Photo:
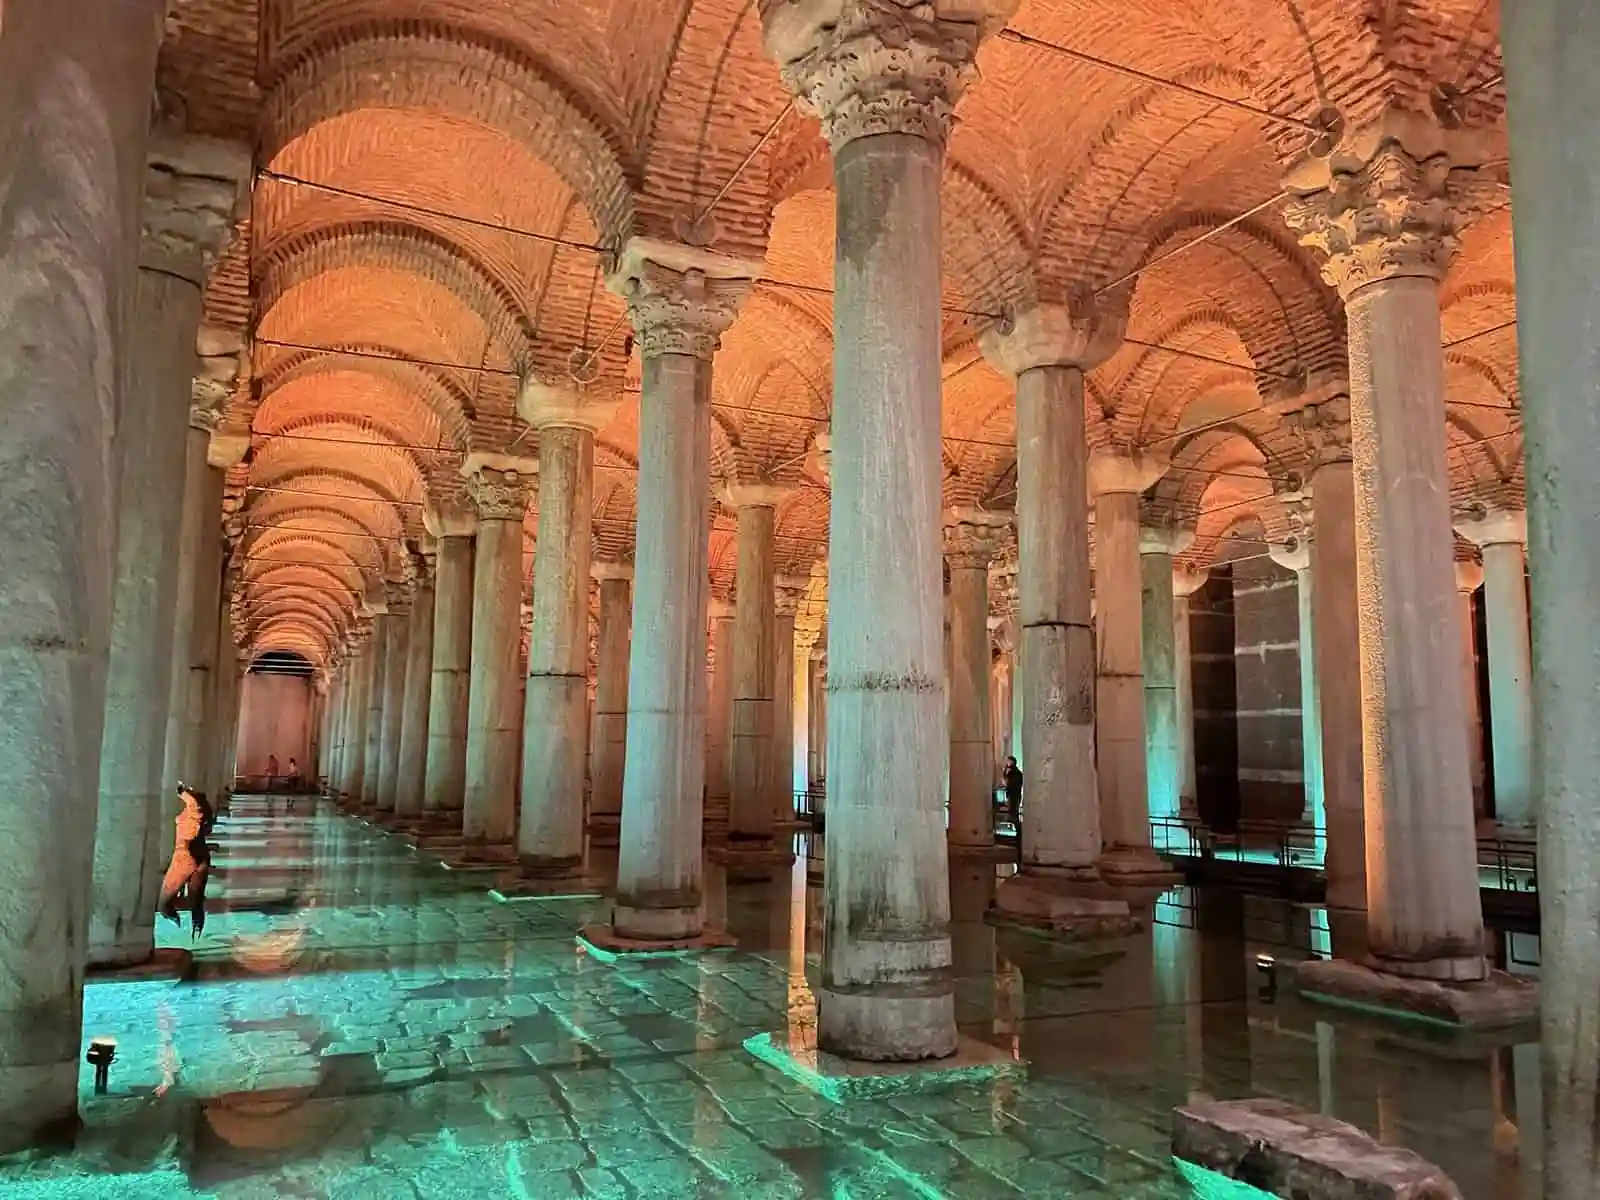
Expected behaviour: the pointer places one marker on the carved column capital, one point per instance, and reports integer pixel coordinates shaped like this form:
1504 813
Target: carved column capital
1485 526
204 419
681 299
1003 587
868 67
1164 539
1322 425
1082 332
974 537
191 189
787 593
545 406
1112 470
499 486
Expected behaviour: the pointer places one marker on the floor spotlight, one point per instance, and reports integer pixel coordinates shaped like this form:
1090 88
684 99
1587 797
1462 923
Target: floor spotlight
101 1054
1267 968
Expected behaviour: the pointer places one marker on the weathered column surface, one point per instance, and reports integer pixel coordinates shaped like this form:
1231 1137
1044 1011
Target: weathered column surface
680 301
555 716
788 591
1185 583
333 754
378 651
719 713
1555 174
1295 555
972 539
445 787
187 210
1158 650
1382 210
1116 481
1469 578
499 490
363 640
1502 534
609 732
752 767
397 655
884 80
410 777
1048 350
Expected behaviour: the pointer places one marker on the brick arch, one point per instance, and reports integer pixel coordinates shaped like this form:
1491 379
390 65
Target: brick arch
300 604
1146 401
302 548
322 583
1182 490
433 387
385 474
291 635
287 515
431 65
986 245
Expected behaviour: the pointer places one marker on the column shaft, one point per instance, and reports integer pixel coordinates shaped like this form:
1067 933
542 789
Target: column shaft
202 657
450 686
784 679
378 651
1310 702
356 729
719 714
972 773
411 770
397 656
1163 766
1469 576
752 768
1183 685
1505 599
194 521
494 726
1120 732
610 729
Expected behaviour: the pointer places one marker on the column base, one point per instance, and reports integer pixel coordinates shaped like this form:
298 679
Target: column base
606 944
886 1026
1076 903
751 858
531 880
162 964
1137 867
476 854
1498 1001
38 1106
983 852
605 829
795 1053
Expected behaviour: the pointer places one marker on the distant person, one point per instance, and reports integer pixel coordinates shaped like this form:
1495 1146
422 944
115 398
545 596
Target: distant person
294 781
272 771
1011 777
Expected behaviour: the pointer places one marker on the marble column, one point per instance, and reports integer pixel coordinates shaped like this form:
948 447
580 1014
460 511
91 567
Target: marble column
411 768
333 744
1384 215
817 736
397 656
445 783
1116 481
884 80
1048 349
1001 672
555 715
1469 578
1502 535
719 712
680 300
202 484
1555 175
788 591
610 729
752 766
361 655
499 490
1159 658
972 540
1185 583
1295 555
376 691
187 210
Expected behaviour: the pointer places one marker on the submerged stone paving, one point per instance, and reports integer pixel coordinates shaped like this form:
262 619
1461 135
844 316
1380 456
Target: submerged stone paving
363 1024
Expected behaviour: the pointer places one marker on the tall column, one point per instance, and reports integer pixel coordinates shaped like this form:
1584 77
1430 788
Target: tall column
378 652
411 768
1048 350
1116 480
884 80
202 484
555 716
719 713
1159 658
680 301
446 783
499 490
788 591
1502 535
334 744
1555 175
1383 213
1295 555
819 718
1185 583
361 655
227 678
753 768
610 729
397 656
972 539
1469 578
187 209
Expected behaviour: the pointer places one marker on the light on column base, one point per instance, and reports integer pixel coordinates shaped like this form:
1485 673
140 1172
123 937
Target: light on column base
101 1054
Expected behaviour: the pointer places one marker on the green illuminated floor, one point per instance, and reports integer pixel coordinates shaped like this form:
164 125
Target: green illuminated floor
364 1025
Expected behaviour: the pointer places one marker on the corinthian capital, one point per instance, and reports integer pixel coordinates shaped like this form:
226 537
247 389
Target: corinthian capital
498 485
879 66
192 188
974 537
681 298
1387 203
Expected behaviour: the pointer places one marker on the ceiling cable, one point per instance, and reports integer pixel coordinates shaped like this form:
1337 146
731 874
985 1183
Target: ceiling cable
1278 198
749 158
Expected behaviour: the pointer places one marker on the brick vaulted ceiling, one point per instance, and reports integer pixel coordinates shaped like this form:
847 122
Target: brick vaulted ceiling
440 184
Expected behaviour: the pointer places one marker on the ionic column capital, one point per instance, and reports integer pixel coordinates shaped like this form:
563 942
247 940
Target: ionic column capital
602 570
974 537
1484 526
867 67
1164 539
681 299
1121 471
191 190
499 485
1082 332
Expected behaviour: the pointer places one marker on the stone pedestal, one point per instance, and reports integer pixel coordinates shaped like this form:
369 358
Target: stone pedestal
499 490
445 786
680 301
411 769
972 539
609 732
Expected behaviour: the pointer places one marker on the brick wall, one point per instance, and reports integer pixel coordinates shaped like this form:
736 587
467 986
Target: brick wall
1266 620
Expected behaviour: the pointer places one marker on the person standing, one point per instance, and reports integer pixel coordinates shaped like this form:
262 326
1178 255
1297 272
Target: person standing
1011 777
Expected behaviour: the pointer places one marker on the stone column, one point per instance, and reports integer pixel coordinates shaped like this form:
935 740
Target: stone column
1049 349
788 591
1295 555
378 651
1185 583
1159 658
719 714
1382 211
555 718
411 770
361 655
1553 87
1502 535
752 766
1469 578
972 539
445 785
1116 481
499 490
610 729
397 656
187 211
819 718
680 300
202 484
884 80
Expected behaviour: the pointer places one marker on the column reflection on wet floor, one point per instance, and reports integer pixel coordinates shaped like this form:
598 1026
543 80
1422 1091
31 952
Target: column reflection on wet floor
362 1022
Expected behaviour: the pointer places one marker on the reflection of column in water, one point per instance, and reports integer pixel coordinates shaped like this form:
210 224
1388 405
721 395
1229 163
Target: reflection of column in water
1224 986
972 941
1177 970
